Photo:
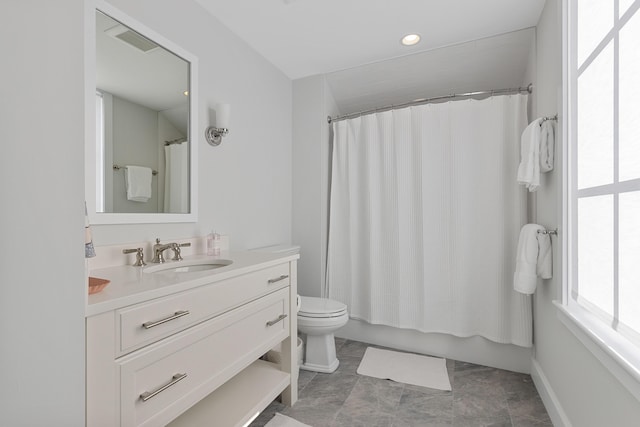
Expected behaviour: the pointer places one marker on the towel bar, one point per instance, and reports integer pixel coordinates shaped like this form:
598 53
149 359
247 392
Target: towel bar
554 232
544 119
118 167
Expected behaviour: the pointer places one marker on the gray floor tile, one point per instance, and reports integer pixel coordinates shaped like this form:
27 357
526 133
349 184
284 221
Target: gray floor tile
416 405
352 348
320 412
481 396
348 365
339 342
304 377
466 421
531 422
488 404
375 395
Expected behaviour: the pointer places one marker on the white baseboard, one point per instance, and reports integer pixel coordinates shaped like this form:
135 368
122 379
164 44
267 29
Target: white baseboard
548 396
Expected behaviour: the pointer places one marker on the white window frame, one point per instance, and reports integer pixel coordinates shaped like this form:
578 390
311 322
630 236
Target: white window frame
617 353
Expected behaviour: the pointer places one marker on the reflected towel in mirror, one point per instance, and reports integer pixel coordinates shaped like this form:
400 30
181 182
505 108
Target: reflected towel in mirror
138 183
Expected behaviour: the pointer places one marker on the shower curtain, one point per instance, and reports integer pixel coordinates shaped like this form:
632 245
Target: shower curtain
176 180
425 213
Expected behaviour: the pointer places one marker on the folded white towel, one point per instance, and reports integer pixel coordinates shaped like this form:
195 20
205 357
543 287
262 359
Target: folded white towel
138 182
525 278
544 265
547 142
529 168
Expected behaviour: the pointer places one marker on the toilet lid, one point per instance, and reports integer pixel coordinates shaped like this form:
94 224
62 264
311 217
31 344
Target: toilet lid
320 307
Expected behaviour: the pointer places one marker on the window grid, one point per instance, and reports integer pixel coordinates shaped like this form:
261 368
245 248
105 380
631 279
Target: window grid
615 188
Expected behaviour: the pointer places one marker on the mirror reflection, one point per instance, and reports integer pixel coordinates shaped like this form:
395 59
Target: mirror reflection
142 137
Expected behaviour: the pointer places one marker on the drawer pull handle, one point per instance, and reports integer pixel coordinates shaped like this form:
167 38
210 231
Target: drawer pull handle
149 394
284 276
176 315
276 320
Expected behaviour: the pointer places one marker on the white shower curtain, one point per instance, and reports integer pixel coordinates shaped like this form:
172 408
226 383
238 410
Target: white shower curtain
424 218
176 180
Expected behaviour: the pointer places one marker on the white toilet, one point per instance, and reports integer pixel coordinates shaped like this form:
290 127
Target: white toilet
318 319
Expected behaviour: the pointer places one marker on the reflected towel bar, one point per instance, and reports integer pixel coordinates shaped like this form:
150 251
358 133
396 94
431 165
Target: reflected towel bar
118 167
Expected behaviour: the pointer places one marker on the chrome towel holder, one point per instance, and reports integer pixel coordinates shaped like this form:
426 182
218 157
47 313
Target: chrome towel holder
549 232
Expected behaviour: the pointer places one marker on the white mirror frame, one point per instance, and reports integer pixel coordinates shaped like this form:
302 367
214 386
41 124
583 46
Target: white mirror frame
90 121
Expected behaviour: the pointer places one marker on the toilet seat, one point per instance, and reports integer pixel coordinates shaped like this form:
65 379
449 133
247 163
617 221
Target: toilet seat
313 307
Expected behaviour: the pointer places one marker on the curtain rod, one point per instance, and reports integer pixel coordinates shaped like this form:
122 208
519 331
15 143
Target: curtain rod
527 89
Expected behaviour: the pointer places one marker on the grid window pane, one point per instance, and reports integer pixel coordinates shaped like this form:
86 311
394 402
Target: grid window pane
629 95
624 6
595 251
629 259
595 122
595 20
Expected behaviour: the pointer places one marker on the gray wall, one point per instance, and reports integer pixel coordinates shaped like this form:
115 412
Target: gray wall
578 390
245 183
42 277
135 142
42 268
312 103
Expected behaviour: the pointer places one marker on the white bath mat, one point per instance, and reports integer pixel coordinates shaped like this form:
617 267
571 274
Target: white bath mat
405 368
281 421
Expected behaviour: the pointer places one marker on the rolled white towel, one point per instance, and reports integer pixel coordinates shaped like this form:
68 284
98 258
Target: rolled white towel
544 265
547 145
525 278
529 167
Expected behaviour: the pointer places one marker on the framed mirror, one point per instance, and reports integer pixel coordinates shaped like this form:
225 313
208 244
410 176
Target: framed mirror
141 159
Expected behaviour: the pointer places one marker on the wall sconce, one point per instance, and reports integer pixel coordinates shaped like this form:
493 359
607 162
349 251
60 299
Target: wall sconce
214 134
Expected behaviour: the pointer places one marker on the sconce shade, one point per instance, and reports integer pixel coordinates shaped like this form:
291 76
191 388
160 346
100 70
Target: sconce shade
223 115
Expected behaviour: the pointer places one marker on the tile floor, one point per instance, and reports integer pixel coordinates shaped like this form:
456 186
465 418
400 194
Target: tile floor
481 396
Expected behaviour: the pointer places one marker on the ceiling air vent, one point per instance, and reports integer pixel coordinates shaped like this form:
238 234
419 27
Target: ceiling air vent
131 38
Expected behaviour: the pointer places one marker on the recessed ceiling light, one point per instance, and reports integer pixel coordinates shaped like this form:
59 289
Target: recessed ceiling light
410 39
185 93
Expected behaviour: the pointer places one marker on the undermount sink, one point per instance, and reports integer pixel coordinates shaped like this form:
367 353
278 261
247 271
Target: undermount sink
188 266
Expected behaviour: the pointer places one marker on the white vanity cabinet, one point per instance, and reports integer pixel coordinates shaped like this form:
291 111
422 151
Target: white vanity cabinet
190 356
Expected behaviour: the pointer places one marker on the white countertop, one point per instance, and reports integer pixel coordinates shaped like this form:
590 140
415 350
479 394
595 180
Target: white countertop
131 285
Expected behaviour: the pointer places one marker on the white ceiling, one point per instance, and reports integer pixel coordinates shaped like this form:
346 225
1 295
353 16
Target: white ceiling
125 71
309 37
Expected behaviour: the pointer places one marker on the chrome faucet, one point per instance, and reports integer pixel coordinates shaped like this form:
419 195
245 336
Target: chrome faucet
158 251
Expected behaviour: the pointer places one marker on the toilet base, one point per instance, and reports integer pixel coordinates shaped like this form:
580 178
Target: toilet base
320 368
320 354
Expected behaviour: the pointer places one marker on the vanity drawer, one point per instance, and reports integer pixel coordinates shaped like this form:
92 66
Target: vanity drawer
175 374
146 323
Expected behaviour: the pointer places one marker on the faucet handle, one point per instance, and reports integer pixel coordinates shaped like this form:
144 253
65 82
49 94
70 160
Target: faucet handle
176 250
139 256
